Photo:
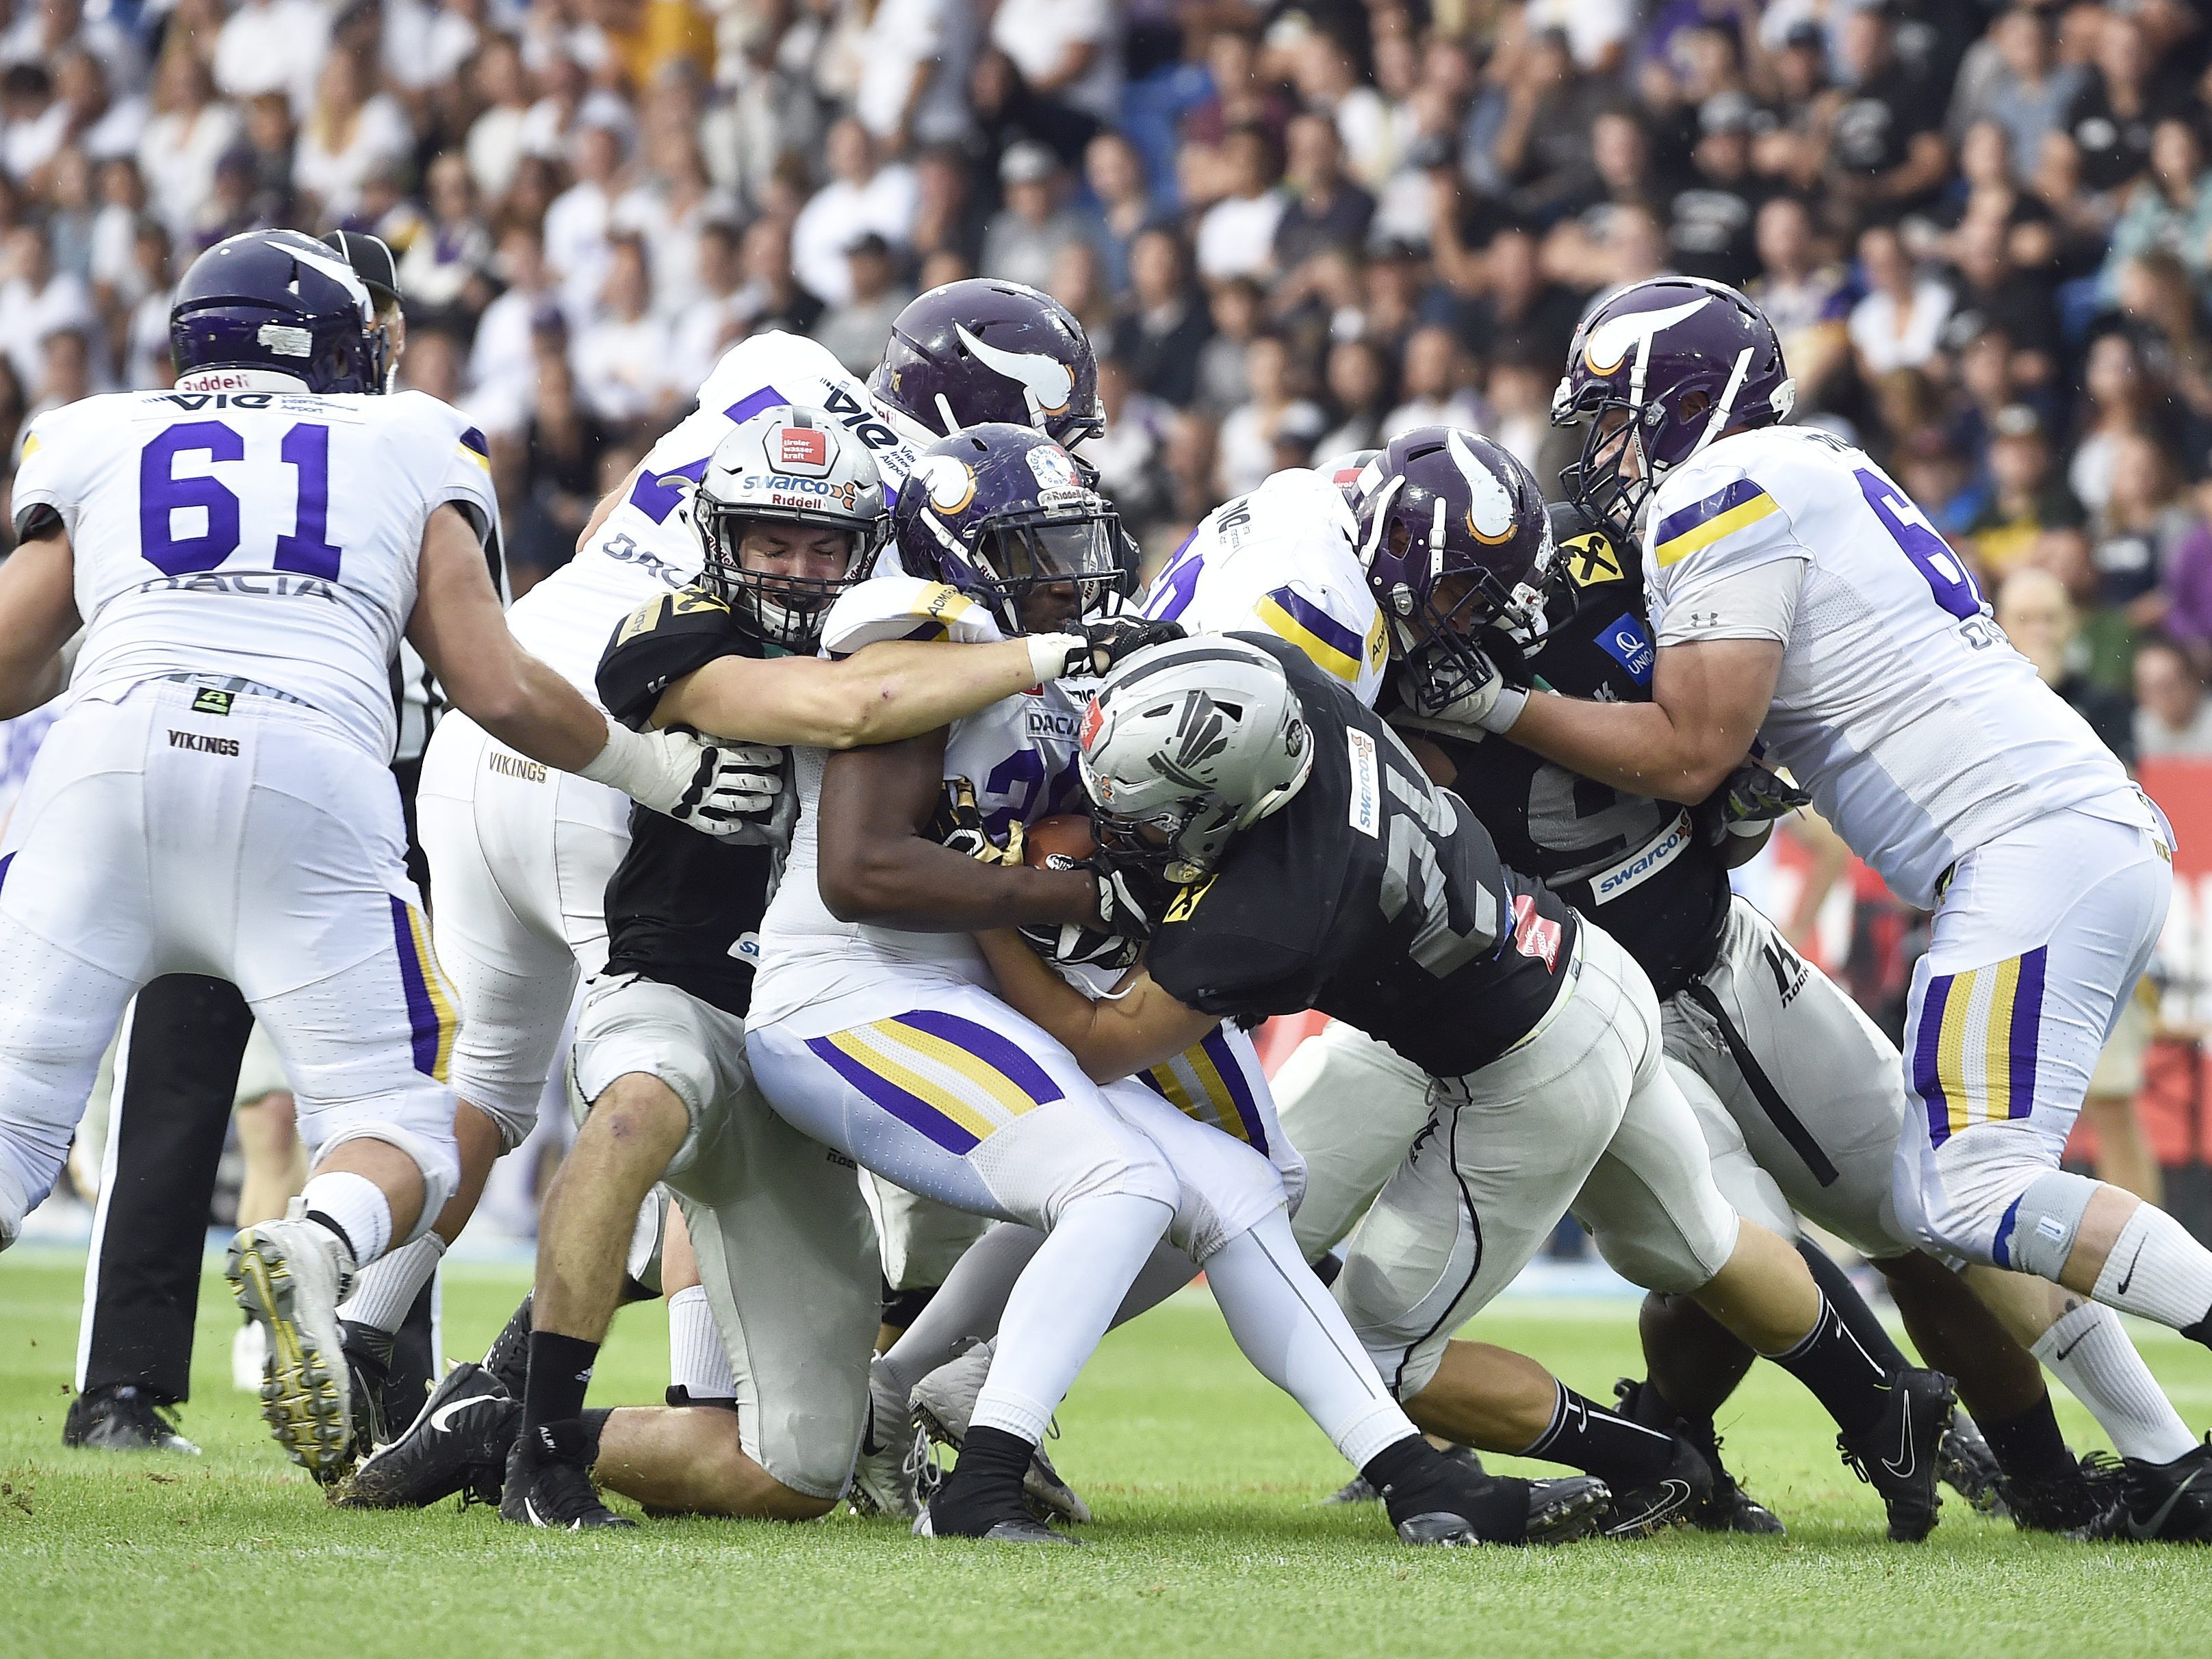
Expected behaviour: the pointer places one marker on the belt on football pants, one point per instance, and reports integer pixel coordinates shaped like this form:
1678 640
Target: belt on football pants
1790 1126
237 686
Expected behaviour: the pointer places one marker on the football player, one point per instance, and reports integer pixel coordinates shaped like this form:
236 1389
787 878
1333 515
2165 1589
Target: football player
1234 770
1800 600
1796 1091
246 553
519 858
876 1031
789 511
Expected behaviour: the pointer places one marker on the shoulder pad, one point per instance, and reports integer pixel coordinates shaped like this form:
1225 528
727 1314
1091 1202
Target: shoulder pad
1711 504
903 608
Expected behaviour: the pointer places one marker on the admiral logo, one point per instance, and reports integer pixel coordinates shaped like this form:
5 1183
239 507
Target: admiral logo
201 742
1366 809
801 448
1624 641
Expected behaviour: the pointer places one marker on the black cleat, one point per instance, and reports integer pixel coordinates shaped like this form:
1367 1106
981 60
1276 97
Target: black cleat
1901 1455
2158 1503
1729 1508
1970 1468
459 1443
1672 1500
1444 1503
2067 1506
544 1490
508 1359
1358 1490
368 1364
123 1417
1020 1527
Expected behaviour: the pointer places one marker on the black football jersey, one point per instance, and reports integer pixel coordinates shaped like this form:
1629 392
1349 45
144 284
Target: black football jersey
684 907
1373 895
1634 865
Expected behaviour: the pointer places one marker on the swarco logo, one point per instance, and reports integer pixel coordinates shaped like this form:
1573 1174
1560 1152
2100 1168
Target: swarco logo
1639 868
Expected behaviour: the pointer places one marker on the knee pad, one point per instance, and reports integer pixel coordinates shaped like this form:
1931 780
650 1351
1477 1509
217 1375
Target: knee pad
513 1124
647 1240
1674 1266
438 1159
2035 1234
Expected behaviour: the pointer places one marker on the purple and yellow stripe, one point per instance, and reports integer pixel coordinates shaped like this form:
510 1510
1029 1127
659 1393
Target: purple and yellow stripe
1208 1083
1974 1044
430 1014
1333 647
951 1079
1719 515
1172 593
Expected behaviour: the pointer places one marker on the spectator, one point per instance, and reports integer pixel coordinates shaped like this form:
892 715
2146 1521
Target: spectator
1542 151
1898 323
2174 718
1709 232
854 329
2187 581
671 206
862 195
1162 330
579 219
499 138
2143 523
2118 406
1249 433
773 293
1804 297
1079 282
503 357
948 218
1066 51
189 133
621 355
1025 237
273 45
915 58
348 135
1236 234
1433 386
36 301
2109 119
1359 395
2040 619
1885 148
1326 211
1129 455
1236 309
565 448
2028 92
2168 208
718 316
2027 496
442 271
1115 173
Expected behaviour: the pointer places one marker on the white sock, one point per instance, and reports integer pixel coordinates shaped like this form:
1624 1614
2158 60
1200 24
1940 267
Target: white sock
698 1363
966 1307
2157 1270
2088 1350
1291 1329
384 1291
359 1207
1062 1304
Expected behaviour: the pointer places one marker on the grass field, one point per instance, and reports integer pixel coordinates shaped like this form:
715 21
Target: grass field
1209 1540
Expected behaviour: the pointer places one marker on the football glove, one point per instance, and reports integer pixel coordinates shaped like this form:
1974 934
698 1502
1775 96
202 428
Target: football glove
1440 688
1074 945
1094 645
728 790
1753 797
959 825
1131 896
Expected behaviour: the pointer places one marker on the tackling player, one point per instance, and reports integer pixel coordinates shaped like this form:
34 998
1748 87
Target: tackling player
246 553
1800 599
519 860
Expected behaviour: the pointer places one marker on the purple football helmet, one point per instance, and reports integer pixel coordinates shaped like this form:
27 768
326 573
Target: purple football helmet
981 350
998 510
1454 535
1679 361
1344 472
275 310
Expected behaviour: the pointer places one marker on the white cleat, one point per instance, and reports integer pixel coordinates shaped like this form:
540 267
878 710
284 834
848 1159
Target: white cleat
944 1405
249 1356
289 1277
887 1479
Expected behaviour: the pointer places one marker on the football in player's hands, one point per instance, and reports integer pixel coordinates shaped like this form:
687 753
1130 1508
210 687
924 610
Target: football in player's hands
1060 843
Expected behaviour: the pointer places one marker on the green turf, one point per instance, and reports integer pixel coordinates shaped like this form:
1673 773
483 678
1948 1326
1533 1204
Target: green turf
1209 1540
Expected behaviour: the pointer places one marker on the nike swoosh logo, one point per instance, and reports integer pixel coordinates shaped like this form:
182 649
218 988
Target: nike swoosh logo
2144 1531
530 1509
442 1417
2127 1278
2070 1346
1906 1463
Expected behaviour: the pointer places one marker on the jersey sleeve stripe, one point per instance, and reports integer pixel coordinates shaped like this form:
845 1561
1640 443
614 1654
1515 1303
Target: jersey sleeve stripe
745 408
468 452
31 446
1333 647
1680 534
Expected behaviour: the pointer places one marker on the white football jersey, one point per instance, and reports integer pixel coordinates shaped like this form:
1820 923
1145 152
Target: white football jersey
1281 560
646 545
1019 755
1920 733
270 535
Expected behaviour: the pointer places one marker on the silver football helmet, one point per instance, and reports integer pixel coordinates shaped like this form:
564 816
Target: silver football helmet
1184 745
793 464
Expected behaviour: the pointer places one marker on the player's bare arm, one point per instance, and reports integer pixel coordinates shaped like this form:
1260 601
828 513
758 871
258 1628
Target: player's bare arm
878 865
883 693
1137 1026
1708 698
37 615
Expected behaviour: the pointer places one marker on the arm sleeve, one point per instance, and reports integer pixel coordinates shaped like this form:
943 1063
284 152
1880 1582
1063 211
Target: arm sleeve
1757 603
45 482
903 608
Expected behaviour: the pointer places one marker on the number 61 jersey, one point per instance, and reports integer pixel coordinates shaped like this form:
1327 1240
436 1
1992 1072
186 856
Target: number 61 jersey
1919 732
269 535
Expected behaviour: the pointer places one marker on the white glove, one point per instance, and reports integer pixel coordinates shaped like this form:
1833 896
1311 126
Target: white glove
1440 691
722 789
